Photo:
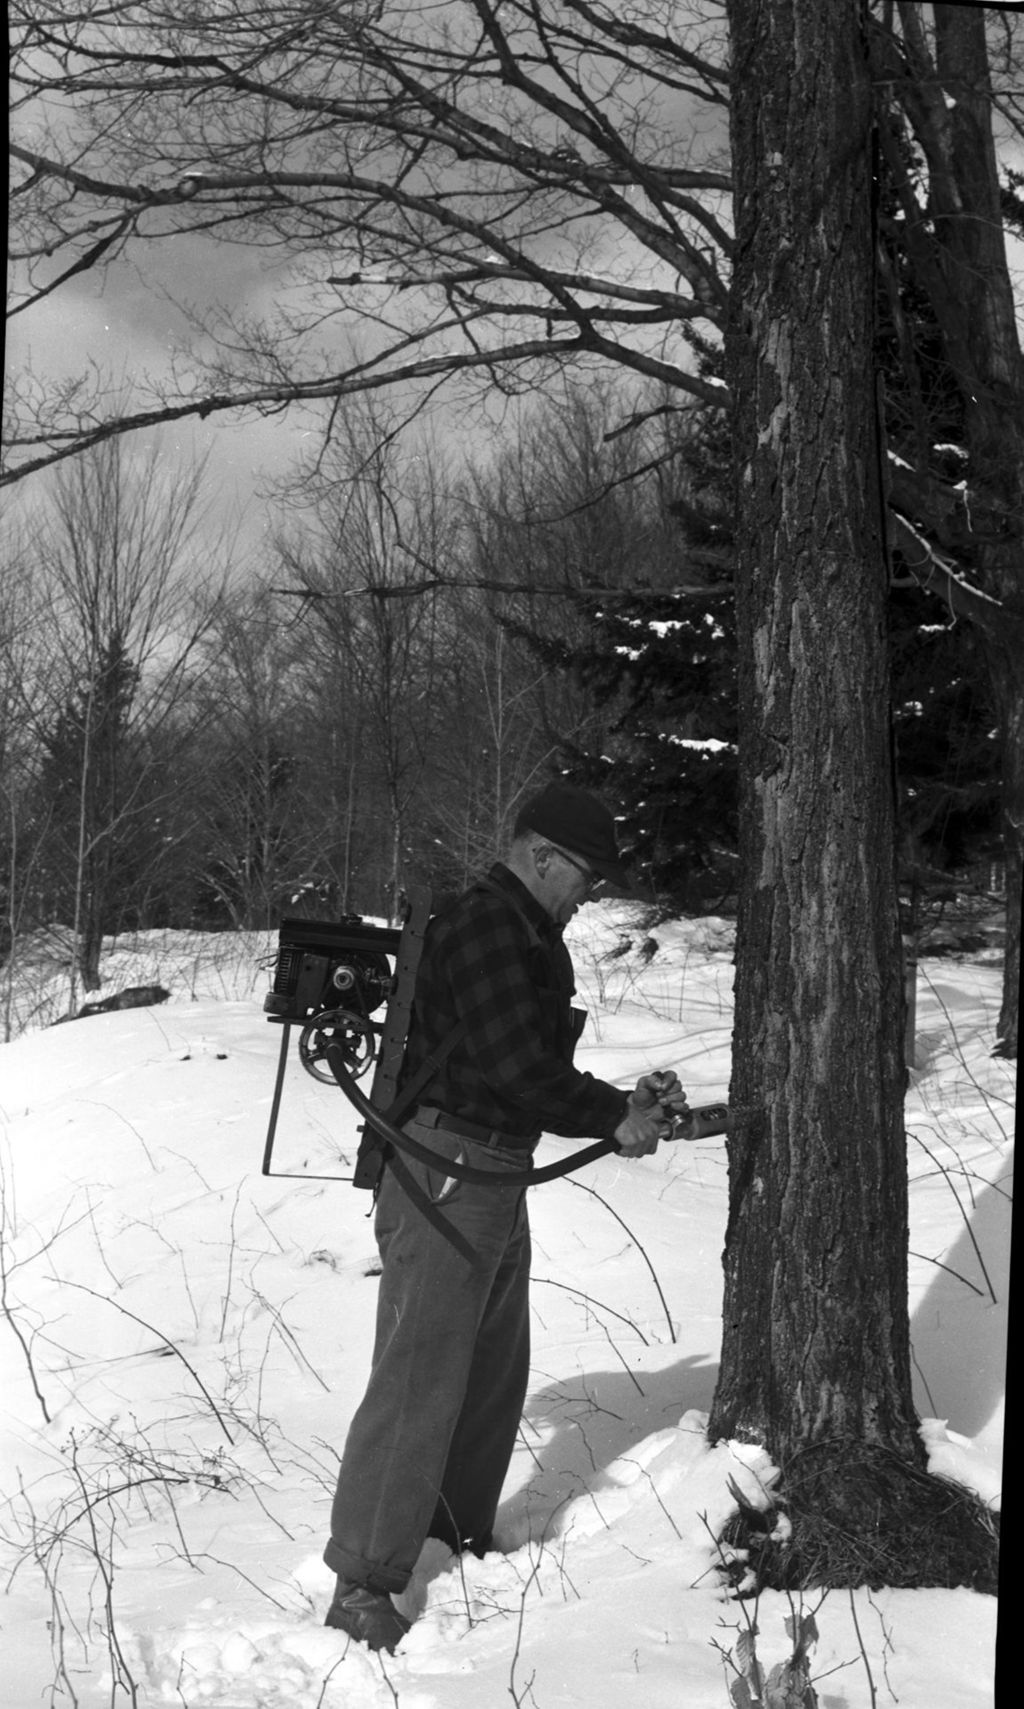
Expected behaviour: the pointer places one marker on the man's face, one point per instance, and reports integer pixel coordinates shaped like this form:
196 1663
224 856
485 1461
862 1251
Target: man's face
567 881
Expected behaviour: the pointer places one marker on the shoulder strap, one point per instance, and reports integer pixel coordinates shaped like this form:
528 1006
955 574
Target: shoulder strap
403 989
407 1096
394 1032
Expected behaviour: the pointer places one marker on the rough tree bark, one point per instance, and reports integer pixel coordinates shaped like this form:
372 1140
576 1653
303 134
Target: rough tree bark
816 1356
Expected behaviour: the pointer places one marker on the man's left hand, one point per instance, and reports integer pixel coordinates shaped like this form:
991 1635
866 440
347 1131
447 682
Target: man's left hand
661 1088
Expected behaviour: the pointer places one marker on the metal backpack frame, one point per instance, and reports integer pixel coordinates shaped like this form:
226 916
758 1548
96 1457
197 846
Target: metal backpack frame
319 961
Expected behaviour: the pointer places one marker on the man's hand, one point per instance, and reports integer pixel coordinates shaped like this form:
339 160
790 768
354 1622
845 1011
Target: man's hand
661 1088
639 1131
647 1120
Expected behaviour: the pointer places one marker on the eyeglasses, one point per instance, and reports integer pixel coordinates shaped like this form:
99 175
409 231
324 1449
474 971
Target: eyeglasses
593 879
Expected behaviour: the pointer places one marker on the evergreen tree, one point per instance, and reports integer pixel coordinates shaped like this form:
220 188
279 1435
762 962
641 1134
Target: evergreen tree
947 756
946 742
666 659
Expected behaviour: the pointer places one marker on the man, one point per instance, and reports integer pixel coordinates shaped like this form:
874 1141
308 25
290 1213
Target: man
430 1444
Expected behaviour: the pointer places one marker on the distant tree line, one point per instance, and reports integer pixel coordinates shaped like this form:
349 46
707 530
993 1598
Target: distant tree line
566 233
423 644
185 747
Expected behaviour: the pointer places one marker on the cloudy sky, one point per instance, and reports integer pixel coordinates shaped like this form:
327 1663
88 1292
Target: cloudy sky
132 327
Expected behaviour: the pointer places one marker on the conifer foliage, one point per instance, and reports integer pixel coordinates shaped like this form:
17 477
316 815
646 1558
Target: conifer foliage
665 659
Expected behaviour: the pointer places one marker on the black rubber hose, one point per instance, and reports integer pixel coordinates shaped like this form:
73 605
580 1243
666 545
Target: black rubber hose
460 1171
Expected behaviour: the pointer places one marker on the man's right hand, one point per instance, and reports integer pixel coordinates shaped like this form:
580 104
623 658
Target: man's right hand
639 1131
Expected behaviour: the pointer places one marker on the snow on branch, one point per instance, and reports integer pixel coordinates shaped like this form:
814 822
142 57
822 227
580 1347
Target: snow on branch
938 574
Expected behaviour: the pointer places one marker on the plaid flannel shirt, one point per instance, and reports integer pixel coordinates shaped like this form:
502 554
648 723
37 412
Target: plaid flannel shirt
496 960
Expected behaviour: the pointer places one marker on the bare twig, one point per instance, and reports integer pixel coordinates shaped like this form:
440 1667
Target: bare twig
863 1651
546 1281
925 1259
967 1221
168 1343
582 1187
519 1697
6 1309
121 1674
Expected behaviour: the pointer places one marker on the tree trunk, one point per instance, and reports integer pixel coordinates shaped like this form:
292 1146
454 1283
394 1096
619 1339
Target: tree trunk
348 824
816 1334
1007 669
816 1345
395 886
90 946
958 252
986 345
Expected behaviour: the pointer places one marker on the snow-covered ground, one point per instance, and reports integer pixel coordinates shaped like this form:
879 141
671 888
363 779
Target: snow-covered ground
186 1339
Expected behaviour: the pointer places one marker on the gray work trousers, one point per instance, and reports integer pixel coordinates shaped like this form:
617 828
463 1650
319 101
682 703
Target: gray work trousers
430 1444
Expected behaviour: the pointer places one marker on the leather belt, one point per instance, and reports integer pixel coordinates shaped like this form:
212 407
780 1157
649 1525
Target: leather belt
427 1116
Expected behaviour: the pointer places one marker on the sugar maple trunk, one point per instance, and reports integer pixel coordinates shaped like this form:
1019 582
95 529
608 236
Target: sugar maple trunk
816 1336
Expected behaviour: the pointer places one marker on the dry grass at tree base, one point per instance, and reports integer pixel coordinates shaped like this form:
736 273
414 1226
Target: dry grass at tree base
849 1514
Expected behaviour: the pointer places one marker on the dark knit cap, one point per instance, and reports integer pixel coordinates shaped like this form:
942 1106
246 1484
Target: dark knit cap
577 822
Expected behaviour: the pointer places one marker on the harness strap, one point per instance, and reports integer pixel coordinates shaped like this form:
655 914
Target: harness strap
373 1150
439 1055
426 1206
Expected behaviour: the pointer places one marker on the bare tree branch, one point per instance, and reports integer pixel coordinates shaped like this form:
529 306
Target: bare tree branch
553 170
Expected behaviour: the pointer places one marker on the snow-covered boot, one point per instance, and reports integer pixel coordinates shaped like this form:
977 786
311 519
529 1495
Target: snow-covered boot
367 1615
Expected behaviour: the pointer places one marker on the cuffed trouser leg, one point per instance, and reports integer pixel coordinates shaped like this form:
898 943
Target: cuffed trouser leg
436 1428
485 1433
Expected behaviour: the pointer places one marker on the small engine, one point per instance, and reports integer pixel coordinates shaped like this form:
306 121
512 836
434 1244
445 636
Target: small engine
333 976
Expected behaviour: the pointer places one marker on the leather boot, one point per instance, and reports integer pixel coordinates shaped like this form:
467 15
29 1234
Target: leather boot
368 1616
